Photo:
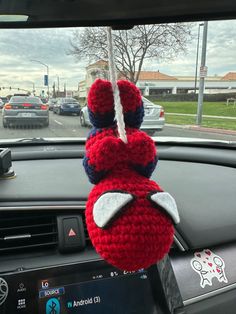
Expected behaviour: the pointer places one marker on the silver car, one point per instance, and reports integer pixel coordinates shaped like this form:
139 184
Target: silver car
153 121
51 102
25 110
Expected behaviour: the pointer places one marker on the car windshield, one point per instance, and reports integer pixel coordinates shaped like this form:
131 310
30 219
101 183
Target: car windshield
186 73
25 100
146 102
69 100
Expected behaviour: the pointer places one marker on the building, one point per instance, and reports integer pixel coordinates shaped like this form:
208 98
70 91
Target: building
156 83
96 70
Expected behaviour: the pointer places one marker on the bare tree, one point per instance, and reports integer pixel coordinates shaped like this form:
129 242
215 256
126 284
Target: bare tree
132 47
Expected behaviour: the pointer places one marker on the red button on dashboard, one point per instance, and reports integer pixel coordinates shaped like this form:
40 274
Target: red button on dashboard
70 233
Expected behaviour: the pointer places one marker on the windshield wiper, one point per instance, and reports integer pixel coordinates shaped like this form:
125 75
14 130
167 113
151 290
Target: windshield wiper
32 140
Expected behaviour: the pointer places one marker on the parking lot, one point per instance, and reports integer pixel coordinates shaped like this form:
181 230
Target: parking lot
69 126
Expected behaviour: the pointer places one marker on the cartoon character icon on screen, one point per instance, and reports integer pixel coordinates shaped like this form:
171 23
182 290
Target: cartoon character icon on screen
220 265
204 274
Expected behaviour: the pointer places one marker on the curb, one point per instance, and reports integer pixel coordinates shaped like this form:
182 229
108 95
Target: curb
212 130
204 116
202 129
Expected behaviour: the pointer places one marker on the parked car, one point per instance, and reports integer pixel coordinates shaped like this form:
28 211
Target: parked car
25 110
154 118
67 106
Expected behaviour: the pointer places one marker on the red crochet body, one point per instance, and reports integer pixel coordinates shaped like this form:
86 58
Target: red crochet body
105 150
143 234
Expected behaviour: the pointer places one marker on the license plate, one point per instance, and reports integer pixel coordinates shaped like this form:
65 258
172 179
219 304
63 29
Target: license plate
72 106
26 114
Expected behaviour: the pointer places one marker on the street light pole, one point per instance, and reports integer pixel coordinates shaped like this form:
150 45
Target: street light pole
198 37
58 85
33 85
202 75
47 71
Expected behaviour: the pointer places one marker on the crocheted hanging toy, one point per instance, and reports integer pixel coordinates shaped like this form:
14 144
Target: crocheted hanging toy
129 217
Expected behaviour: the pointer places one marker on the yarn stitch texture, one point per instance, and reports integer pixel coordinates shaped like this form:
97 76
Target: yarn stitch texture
143 233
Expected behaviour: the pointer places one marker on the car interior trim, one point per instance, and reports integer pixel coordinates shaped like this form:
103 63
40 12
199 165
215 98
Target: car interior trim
43 207
179 244
45 13
209 294
66 207
210 155
90 260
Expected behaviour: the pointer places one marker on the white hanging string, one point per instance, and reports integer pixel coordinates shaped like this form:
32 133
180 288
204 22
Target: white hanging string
113 77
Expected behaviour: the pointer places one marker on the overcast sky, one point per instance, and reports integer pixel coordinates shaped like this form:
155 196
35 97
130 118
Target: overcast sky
50 46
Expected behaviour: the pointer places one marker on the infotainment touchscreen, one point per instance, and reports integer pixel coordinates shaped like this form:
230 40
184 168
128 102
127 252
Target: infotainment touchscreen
105 292
84 288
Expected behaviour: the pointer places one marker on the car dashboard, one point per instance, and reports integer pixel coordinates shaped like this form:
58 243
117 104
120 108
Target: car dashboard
42 209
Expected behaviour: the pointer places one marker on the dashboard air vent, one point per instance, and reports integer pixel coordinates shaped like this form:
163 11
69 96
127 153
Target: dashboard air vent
87 239
21 231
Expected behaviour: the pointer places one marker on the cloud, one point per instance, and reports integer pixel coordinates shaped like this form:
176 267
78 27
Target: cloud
221 47
50 46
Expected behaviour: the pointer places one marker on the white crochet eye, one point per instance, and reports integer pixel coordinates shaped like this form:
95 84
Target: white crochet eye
167 203
108 206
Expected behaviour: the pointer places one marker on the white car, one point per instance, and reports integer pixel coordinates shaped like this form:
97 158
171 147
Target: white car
154 118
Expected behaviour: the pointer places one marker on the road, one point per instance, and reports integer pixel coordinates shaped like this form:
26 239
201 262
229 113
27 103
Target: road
69 126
